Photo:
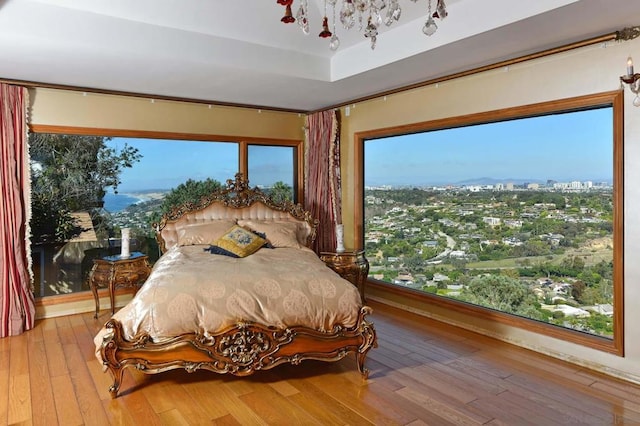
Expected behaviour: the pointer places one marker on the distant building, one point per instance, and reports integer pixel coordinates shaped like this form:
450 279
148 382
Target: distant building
512 241
437 277
603 309
513 223
404 279
570 311
457 254
491 221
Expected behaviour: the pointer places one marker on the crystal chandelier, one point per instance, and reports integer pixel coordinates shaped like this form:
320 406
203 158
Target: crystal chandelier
366 15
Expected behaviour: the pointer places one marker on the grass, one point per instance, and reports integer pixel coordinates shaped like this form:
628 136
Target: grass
590 256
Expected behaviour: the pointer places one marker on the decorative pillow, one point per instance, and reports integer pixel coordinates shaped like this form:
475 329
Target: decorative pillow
240 241
280 233
203 232
219 250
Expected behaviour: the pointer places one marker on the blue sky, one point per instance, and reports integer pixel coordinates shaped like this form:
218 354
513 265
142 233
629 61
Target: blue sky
167 163
562 147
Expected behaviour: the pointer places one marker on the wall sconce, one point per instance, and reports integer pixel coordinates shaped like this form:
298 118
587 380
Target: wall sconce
633 80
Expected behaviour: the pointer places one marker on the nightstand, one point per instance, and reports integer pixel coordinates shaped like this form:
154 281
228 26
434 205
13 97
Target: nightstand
350 265
115 272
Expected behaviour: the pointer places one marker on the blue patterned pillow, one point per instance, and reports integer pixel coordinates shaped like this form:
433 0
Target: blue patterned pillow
221 251
263 235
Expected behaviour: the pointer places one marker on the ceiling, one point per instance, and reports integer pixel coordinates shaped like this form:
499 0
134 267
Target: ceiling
238 51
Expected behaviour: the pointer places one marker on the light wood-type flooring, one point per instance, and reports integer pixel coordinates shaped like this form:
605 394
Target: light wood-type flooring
423 372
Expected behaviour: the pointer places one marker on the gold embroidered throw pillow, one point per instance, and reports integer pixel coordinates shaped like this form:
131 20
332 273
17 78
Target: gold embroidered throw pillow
240 241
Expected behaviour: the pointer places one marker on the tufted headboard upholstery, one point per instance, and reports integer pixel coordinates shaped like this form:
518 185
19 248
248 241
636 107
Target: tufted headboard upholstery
235 202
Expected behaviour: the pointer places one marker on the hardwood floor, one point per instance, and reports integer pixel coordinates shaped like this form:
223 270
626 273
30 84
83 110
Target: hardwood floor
423 372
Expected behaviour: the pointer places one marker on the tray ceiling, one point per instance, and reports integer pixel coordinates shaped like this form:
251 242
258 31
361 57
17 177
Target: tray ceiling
238 51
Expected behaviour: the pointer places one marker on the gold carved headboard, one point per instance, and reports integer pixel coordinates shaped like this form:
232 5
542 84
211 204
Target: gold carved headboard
234 201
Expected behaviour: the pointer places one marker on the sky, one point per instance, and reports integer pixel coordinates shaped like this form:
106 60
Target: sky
166 164
561 147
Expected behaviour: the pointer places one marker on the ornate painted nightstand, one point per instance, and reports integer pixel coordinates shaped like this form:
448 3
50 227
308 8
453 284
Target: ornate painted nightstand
350 265
115 272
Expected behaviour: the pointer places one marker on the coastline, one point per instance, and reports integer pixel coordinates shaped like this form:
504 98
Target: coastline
146 196
114 203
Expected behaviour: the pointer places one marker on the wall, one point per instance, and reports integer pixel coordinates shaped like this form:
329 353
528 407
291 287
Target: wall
578 72
77 109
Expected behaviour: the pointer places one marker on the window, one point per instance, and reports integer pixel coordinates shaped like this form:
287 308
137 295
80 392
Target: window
514 215
87 187
272 168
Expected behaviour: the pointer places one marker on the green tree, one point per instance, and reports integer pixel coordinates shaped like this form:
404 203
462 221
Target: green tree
71 173
513 273
191 191
430 289
503 293
574 263
441 285
594 295
414 263
577 288
458 263
601 324
280 192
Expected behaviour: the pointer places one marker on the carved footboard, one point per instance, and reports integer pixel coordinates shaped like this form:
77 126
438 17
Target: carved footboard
240 350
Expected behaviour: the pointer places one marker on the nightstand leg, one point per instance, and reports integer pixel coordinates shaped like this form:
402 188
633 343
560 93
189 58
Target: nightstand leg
112 296
94 290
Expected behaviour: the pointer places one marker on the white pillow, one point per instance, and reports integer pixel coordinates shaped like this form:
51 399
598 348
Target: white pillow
280 233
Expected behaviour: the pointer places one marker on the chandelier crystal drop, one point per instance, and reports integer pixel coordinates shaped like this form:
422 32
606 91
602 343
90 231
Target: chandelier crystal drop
430 26
302 18
348 13
334 42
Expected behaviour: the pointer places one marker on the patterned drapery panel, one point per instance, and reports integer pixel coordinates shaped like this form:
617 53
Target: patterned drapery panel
322 175
17 310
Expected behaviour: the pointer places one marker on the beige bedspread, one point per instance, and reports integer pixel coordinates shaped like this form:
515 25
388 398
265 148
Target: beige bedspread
191 290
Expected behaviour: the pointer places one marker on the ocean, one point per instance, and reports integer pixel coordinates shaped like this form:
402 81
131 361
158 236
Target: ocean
118 202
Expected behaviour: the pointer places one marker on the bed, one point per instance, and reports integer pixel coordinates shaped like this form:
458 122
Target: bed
236 290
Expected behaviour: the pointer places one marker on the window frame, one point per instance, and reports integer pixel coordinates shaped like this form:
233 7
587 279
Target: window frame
614 99
243 145
297 160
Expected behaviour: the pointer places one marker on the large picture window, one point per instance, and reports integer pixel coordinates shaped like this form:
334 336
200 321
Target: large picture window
516 212
88 185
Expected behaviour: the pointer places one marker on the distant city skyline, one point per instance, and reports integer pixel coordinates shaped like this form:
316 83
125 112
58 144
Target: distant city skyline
496 183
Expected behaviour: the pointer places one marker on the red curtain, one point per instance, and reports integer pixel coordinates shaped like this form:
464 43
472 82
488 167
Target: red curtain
322 192
17 310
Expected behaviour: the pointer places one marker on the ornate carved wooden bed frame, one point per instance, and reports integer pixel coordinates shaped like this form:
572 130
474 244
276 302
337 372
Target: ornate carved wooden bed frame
245 347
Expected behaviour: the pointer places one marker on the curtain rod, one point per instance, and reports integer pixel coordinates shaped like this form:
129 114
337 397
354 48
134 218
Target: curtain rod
40 85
